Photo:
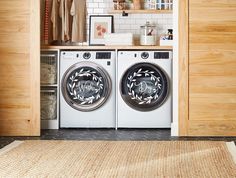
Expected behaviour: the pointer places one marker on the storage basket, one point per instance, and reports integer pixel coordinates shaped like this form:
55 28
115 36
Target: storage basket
48 71
48 104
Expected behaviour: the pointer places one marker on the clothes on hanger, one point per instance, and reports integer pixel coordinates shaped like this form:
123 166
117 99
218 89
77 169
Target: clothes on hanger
68 20
46 22
55 20
78 11
64 14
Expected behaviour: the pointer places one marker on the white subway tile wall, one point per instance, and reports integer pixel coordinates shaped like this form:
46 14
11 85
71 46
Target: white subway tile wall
130 23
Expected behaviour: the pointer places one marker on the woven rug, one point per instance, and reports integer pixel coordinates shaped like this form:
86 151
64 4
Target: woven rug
120 159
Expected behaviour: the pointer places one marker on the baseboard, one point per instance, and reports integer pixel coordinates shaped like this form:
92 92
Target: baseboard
174 129
232 149
10 147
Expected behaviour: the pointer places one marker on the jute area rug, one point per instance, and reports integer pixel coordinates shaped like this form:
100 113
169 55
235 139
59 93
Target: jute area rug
120 159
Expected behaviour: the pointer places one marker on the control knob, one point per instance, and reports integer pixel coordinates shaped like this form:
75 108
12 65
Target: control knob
144 55
86 55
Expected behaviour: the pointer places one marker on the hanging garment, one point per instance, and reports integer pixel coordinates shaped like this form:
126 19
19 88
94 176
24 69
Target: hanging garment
46 22
55 19
64 13
78 11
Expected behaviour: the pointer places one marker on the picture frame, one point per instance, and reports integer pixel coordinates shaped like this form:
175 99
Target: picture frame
98 26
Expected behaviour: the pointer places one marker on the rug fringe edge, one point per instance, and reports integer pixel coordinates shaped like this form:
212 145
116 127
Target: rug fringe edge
232 149
10 146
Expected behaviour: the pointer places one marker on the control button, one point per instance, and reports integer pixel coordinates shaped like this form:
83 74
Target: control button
77 55
144 55
86 55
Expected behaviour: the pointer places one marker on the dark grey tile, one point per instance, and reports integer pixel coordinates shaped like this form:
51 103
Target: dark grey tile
109 134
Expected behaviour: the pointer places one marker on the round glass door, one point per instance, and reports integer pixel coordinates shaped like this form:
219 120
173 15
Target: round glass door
144 86
86 86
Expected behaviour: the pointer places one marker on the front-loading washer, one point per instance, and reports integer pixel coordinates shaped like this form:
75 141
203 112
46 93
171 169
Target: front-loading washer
87 89
144 89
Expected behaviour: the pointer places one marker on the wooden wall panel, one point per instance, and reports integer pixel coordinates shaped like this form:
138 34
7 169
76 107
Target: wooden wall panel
211 73
183 68
212 128
19 67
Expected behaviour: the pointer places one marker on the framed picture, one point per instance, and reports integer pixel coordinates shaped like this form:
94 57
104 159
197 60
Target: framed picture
98 26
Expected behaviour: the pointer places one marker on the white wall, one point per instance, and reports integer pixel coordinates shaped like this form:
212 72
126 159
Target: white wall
131 23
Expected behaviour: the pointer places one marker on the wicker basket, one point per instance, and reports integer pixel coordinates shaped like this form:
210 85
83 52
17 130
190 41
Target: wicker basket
48 73
48 104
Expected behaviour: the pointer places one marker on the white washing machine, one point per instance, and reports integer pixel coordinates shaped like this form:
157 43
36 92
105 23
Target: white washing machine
87 91
144 89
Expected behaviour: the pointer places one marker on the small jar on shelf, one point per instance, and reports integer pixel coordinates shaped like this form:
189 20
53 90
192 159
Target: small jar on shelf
148 33
137 4
158 4
120 5
150 4
165 4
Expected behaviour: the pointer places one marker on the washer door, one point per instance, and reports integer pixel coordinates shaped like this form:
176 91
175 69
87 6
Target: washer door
86 86
144 86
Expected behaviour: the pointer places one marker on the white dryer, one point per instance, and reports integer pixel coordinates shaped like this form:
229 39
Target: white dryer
87 91
144 89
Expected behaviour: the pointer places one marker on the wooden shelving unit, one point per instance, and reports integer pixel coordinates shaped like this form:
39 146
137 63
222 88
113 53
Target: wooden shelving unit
49 64
142 11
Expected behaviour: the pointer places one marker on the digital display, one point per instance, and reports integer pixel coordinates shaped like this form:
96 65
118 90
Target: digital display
103 55
161 55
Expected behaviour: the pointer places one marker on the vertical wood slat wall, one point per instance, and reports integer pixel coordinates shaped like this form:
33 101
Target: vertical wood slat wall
183 68
207 87
20 68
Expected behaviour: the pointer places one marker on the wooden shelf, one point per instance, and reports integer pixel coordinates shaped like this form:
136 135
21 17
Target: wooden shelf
107 47
142 11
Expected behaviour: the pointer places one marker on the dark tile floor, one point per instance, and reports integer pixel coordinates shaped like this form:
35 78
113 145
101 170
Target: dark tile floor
109 134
